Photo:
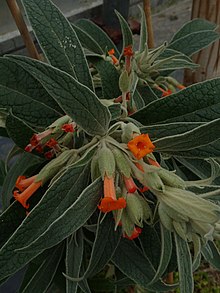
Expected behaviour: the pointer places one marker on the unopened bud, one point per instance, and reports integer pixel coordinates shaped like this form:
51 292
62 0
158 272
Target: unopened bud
106 162
124 82
122 163
171 179
128 132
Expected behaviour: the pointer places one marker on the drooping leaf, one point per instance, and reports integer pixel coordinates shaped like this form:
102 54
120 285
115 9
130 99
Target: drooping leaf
77 100
131 261
58 39
199 136
212 254
25 161
194 42
52 206
40 275
97 34
193 26
184 265
74 254
197 103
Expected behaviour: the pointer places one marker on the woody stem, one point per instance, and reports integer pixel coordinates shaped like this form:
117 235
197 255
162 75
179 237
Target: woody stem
22 27
147 11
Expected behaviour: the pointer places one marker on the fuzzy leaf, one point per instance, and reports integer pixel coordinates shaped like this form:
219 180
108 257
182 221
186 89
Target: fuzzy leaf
197 103
41 275
194 42
143 32
212 254
184 265
58 39
97 34
78 101
193 26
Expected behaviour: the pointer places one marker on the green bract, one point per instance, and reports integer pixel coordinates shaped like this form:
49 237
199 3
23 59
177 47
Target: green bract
118 161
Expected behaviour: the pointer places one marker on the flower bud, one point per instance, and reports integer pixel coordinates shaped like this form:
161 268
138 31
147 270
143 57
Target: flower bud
127 224
106 162
121 162
128 132
171 179
95 172
124 82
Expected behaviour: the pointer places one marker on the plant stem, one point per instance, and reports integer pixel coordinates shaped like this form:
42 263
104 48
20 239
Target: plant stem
147 11
170 278
22 27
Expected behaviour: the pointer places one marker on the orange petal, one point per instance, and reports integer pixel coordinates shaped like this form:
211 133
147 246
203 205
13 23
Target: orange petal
23 182
137 231
27 193
140 146
108 204
130 185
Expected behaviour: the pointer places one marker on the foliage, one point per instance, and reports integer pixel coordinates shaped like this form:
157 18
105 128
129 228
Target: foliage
93 198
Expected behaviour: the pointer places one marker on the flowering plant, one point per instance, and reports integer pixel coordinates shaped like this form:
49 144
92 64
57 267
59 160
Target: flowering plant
117 181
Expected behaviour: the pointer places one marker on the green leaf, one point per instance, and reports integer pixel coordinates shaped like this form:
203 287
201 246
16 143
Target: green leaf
147 94
126 31
74 254
78 101
106 241
131 261
57 39
41 275
158 131
165 253
55 203
14 77
184 265
18 131
197 103
194 42
97 34
193 26
115 111
22 164
2 172
143 32
199 136
212 254
109 77
10 220
87 41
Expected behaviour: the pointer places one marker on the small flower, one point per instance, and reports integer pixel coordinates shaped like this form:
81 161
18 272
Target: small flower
166 93
130 185
27 193
140 146
70 127
180 86
49 155
111 54
36 138
128 51
23 182
136 232
110 202
51 143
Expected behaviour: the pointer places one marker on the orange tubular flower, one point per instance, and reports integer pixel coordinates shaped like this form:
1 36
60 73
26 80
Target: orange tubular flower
27 193
153 162
180 86
110 202
128 51
140 146
23 182
111 54
130 185
137 231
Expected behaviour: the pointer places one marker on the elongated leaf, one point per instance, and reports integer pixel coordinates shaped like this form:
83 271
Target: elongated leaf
14 77
87 41
18 131
109 77
158 131
43 274
197 103
74 254
105 243
143 32
65 224
147 94
193 26
194 42
212 254
58 39
126 31
24 162
97 34
10 219
78 101
131 261
194 138
184 265
2 172
174 64
26 108
55 202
